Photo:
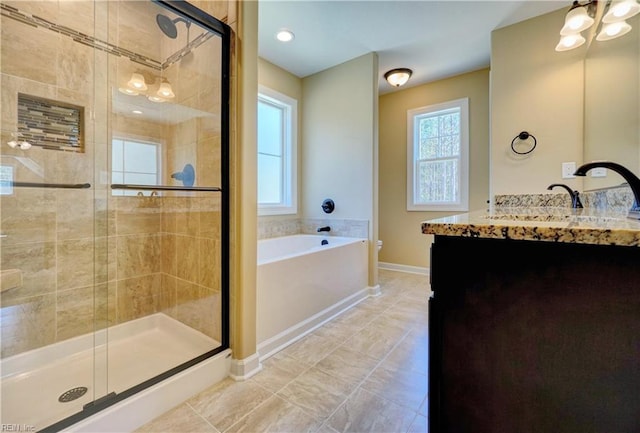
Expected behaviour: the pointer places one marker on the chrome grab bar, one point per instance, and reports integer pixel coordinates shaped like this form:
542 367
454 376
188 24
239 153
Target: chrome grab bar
165 187
49 185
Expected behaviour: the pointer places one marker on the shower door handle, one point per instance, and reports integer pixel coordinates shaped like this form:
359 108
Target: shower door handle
50 185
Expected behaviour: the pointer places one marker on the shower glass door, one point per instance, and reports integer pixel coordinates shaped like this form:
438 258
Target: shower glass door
113 206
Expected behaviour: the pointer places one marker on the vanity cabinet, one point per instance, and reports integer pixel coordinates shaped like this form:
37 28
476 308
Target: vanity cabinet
533 336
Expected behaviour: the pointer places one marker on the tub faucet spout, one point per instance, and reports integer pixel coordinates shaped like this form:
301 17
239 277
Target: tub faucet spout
575 195
324 229
631 179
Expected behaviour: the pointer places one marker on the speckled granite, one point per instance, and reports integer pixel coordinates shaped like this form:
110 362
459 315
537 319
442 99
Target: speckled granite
550 224
617 199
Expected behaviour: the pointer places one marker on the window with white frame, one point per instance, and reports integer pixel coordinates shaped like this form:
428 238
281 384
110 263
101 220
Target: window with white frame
134 162
277 120
438 157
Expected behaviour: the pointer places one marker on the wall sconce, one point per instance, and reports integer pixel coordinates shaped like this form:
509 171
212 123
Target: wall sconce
137 83
581 16
165 90
398 77
138 86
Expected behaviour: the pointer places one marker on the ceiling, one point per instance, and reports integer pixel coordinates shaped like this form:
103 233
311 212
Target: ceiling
436 39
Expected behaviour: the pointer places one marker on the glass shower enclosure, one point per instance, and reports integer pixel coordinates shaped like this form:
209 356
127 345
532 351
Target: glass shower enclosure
114 202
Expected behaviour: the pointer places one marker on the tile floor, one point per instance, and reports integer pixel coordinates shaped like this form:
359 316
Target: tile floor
365 371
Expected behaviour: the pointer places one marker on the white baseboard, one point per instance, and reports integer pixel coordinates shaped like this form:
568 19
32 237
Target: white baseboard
374 290
287 337
403 268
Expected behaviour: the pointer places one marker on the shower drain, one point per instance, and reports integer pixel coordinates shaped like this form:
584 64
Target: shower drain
72 394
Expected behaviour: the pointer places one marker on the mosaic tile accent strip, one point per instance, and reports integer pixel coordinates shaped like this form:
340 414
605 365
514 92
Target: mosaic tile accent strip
178 55
50 124
35 21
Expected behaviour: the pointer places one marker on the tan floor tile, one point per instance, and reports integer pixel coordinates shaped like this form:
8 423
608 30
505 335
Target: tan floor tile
278 416
224 404
182 419
311 348
317 392
279 370
411 354
337 330
376 341
366 412
405 388
348 365
356 316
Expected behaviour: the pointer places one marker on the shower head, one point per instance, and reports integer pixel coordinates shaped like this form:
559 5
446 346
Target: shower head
168 26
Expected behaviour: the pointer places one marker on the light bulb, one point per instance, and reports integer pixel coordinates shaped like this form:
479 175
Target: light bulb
577 20
285 35
165 90
137 82
621 11
570 42
613 30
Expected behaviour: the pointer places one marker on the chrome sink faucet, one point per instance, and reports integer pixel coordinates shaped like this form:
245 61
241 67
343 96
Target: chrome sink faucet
575 195
631 179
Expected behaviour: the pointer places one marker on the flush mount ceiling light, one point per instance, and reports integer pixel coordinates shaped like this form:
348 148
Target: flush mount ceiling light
398 77
285 35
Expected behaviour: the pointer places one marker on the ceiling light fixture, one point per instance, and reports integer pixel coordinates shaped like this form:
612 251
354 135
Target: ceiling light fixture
398 77
285 35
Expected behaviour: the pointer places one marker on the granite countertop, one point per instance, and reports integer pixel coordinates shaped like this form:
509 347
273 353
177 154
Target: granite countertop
549 224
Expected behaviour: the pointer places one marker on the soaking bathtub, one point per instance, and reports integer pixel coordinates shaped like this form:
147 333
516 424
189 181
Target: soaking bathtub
302 284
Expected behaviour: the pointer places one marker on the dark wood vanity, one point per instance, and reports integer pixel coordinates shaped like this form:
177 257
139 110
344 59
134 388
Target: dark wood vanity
529 333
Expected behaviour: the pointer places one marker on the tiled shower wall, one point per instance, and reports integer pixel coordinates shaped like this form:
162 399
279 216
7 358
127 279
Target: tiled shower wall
88 259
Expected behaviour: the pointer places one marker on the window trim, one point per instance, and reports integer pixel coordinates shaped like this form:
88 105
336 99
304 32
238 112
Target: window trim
412 148
289 204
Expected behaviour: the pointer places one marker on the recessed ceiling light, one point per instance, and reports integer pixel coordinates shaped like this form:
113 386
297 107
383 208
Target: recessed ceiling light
137 112
285 35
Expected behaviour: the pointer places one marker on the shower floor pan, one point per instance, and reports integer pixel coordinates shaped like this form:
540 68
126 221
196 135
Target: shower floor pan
110 360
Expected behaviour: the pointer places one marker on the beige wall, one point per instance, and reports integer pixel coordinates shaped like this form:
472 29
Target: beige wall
339 143
538 90
400 232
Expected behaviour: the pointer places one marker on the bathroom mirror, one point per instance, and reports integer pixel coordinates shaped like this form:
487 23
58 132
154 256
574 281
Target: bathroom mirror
612 105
